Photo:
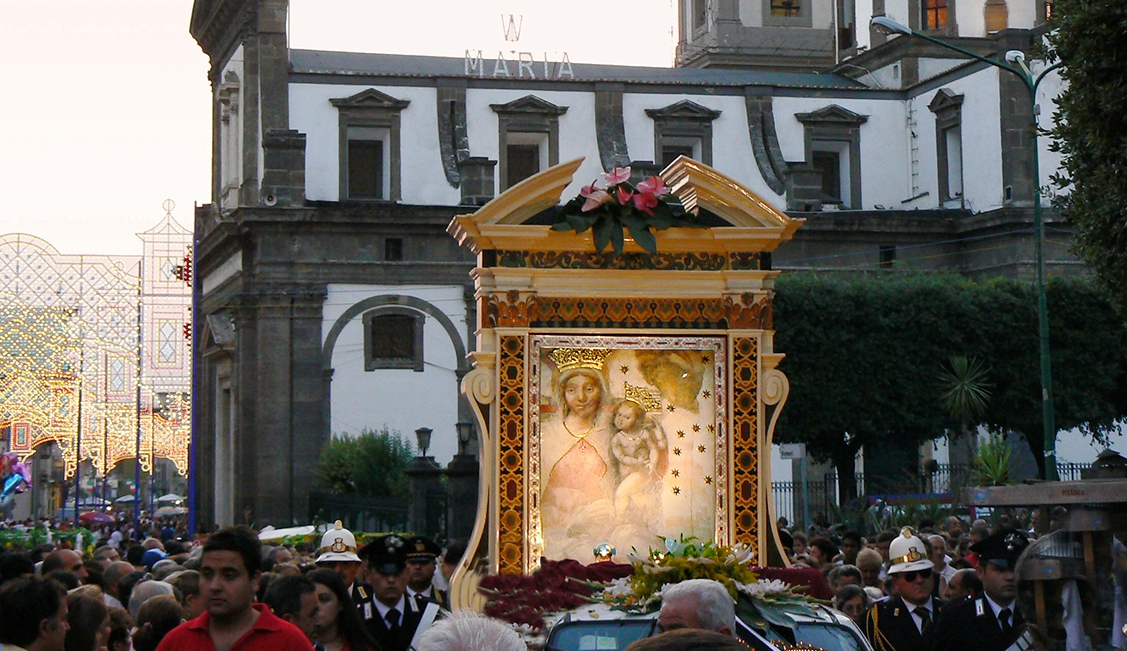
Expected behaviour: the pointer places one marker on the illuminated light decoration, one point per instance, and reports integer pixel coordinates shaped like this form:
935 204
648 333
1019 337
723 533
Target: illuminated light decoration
68 329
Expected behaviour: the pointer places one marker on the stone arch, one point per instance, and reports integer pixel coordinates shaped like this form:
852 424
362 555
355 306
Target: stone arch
400 302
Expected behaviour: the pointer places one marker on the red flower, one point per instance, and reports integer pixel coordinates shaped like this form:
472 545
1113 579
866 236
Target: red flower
617 175
595 199
645 202
653 185
623 195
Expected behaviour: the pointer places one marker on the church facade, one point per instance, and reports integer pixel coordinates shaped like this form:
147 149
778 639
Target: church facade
332 299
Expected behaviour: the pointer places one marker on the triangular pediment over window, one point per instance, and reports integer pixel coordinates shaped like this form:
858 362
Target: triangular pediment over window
371 98
945 99
684 109
832 114
529 104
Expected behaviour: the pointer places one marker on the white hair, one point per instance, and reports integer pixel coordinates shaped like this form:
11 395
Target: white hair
144 591
465 630
715 607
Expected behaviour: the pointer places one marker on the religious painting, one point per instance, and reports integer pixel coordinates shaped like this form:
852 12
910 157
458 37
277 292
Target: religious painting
626 442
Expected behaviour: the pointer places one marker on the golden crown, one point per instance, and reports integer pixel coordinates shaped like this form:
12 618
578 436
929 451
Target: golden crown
642 397
569 358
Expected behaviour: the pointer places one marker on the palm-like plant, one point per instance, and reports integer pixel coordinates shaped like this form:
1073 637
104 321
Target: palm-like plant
966 392
992 463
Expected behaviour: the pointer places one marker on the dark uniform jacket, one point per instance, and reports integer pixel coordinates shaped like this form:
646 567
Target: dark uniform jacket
400 638
362 599
971 624
890 627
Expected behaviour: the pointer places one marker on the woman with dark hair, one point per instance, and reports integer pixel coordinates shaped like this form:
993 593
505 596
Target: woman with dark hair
338 626
120 626
89 621
155 619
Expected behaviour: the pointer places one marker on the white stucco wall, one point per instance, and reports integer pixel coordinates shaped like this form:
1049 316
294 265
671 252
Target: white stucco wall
884 173
1050 88
731 143
971 16
1023 14
981 138
422 180
751 13
822 14
862 14
401 399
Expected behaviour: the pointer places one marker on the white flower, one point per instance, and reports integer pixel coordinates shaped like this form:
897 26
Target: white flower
619 588
762 588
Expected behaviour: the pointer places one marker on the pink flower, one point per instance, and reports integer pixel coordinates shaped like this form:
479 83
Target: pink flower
653 185
623 195
587 190
596 198
617 175
646 202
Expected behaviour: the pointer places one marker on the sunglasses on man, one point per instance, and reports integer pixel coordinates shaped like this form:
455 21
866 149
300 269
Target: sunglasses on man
911 577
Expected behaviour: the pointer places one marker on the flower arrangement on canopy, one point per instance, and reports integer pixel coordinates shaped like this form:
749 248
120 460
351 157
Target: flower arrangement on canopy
610 212
637 588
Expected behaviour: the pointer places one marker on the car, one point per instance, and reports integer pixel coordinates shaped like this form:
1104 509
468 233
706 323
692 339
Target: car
598 627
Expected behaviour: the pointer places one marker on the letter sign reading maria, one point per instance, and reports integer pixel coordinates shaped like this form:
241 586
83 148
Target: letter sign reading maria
520 65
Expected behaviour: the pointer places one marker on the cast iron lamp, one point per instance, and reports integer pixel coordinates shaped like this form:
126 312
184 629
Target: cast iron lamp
887 26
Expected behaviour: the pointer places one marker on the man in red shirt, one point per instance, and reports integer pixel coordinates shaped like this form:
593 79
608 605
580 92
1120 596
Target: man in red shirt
229 573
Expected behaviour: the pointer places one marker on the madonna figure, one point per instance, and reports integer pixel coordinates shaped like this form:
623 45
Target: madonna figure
577 477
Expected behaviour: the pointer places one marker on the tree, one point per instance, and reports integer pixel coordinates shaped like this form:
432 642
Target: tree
966 392
861 356
1089 130
369 465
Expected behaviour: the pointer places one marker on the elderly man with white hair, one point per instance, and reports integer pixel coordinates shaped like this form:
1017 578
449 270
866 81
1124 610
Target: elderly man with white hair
697 603
146 590
465 630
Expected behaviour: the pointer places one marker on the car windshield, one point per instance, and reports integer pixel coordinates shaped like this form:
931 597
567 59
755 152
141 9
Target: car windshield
825 636
600 636
619 634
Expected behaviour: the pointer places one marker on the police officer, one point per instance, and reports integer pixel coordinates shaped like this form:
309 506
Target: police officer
904 622
397 619
989 622
422 561
338 553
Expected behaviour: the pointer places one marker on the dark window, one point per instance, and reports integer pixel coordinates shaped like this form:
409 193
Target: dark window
523 162
365 169
669 153
700 15
935 14
393 249
887 256
786 8
829 164
393 338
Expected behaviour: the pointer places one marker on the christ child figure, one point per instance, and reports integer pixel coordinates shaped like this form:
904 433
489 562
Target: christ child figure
637 444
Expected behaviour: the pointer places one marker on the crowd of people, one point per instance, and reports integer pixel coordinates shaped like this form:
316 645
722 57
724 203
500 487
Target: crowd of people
229 590
946 587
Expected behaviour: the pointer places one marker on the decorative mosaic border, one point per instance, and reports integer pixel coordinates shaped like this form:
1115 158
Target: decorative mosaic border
750 312
745 417
510 466
537 343
658 261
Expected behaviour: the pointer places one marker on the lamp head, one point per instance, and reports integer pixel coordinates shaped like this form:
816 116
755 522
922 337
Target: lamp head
887 26
1015 56
422 435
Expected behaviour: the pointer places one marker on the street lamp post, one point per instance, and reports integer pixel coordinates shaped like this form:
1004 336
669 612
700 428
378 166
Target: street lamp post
1018 68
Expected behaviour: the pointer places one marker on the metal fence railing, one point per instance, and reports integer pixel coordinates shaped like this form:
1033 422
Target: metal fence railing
822 493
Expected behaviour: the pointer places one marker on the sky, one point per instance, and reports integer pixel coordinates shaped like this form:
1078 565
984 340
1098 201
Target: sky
108 107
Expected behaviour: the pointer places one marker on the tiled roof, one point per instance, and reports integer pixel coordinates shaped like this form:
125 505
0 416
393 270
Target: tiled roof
401 65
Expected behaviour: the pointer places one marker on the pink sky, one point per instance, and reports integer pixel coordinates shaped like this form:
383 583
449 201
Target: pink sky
107 108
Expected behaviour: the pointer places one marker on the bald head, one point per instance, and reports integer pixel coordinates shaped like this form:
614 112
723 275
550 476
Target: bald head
113 574
64 559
